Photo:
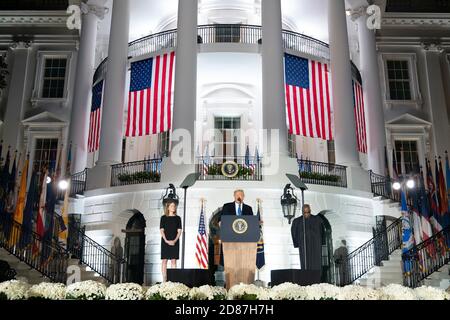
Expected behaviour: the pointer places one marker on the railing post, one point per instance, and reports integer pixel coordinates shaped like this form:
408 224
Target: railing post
81 241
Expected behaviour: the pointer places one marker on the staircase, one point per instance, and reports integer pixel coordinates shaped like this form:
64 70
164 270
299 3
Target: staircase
390 271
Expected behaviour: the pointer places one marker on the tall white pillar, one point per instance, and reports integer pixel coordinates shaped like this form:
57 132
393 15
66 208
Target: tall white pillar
18 58
436 98
110 151
92 11
274 105
111 133
374 111
181 161
342 91
341 77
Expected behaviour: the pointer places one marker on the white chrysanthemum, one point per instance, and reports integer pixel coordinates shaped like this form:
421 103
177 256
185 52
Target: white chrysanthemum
124 291
248 292
86 290
396 292
288 291
168 291
14 289
47 290
430 293
322 291
354 292
207 293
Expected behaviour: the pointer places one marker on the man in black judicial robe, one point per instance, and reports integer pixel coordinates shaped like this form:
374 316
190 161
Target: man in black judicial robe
313 226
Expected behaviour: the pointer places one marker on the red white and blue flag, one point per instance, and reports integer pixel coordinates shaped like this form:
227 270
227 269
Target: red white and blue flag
150 100
96 118
308 98
360 117
201 252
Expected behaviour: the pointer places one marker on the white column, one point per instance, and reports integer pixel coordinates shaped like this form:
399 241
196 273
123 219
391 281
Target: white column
79 125
110 151
375 123
436 98
185 96
274 105
341 76
18 58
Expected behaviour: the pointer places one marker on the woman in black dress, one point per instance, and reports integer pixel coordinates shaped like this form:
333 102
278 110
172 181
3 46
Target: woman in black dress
170 228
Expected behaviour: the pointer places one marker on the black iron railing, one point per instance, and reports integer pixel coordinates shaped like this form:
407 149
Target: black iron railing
426 258
369 255
321 173
138 172
45 256
213 168
220 33
95 256
78 183
382 187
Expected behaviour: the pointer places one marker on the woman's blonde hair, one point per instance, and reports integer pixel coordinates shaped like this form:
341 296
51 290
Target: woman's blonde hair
166 208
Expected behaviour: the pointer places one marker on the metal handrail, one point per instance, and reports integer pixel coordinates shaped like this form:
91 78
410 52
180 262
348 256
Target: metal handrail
364 258
95 256
77 185
45 256
210 168
426 258
136 172
322 173
382 187
220 33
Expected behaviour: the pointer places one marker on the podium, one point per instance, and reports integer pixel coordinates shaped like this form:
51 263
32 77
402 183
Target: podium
239 235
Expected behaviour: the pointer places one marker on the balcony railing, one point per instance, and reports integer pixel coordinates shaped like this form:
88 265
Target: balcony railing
138 172
77 185
321 173
210 168
426 258
221 33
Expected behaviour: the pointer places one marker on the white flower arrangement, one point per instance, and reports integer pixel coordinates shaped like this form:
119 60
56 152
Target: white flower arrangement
47 291
430 293
168 291
322 291
355 292
124 291
397 292
13 290
86 290
248 292
288 291
207 293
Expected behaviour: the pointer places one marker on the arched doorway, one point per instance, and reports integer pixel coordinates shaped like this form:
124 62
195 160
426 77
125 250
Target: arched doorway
135 248
327 250
214 254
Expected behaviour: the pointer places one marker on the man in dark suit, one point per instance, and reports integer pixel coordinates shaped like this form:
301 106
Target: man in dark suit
238 207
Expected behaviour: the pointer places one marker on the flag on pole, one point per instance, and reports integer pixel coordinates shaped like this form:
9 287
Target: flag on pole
96 118
249 164
206 161
360 117
40 221
28 213
260 258
150 100
201 252
308 98
20 206
447 169
443 197
434 214
427 231
407 234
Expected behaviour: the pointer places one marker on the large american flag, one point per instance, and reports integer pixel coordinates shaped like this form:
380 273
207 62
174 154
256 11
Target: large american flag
360 116
96 117
308 98
150 101
201 252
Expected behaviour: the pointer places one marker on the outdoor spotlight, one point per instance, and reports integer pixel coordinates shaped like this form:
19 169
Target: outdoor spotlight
410 184
396 185
63 184
49 180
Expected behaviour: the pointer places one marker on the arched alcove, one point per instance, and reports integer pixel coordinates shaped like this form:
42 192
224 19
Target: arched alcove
135 247
327 249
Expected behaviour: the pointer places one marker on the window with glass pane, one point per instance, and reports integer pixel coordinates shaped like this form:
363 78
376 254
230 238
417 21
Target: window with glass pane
163 143
292 146
399 79
54 78
227 136
331 152
410 154
45 154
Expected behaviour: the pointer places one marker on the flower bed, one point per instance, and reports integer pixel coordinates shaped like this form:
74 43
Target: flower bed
91 290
